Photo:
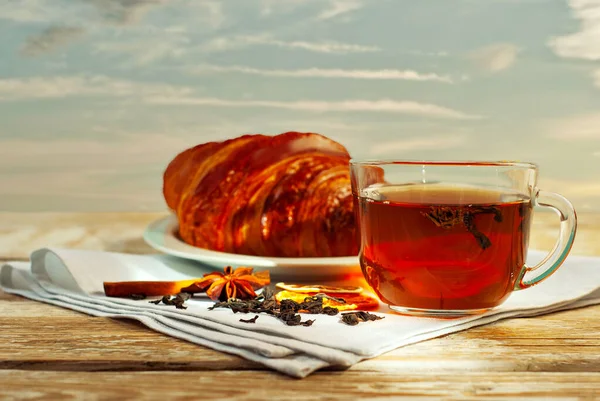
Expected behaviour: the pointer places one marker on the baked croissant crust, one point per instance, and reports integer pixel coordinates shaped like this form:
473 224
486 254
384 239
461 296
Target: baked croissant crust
287 195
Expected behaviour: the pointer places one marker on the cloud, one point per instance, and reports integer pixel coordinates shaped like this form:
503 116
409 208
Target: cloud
319 106
97 85
25 10
339 7
411 144
124 12
390 74
316 125
119 12
581 127
146 50
236 42
324 47
70 21
440 53
50 39
156 93
270 7
496 57
148 44
584 44
214 9
328 9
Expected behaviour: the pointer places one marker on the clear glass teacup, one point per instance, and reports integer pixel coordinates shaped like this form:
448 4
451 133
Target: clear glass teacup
451 238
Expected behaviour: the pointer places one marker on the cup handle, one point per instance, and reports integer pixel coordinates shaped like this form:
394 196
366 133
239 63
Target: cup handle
530 276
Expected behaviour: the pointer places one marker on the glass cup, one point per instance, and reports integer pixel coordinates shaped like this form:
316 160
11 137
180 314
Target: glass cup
450 239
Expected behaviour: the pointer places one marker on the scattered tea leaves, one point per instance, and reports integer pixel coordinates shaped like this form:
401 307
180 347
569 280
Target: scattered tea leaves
137 297
177 300
354 318
253 320
328 310
156 302
350 319
287 310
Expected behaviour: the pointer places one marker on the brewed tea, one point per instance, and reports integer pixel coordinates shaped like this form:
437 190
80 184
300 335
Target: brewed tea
435 247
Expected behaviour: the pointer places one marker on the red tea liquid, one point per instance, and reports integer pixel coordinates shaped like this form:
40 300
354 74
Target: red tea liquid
440 247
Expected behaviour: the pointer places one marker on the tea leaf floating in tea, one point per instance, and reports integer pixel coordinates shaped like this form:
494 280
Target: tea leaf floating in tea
483 241
449 216
353 318
525 215
253 320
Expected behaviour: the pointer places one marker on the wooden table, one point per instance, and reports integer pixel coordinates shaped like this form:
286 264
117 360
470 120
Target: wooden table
49 352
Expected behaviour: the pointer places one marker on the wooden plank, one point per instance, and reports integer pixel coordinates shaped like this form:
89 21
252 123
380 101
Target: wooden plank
40 336
46 351
4 297
95 344
248 385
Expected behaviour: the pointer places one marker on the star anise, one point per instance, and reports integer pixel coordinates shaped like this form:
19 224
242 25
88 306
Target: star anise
237 284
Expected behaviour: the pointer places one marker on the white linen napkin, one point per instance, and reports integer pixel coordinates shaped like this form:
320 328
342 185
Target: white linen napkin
74 279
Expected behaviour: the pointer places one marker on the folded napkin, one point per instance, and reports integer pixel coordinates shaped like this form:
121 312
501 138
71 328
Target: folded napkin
74 279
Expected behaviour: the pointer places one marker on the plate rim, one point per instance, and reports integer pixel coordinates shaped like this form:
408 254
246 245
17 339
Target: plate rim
165 227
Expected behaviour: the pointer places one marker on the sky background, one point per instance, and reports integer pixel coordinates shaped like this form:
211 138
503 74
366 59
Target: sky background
97 96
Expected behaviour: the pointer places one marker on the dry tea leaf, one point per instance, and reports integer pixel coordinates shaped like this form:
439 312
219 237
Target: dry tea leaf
253 320
350 319
177 300
354 318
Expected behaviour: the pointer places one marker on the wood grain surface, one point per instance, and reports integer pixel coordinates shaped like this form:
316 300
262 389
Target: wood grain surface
51 353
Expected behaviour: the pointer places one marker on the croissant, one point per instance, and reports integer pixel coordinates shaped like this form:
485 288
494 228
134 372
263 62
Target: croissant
286 195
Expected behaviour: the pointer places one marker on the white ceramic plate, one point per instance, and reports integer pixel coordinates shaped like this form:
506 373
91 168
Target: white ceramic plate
162 235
